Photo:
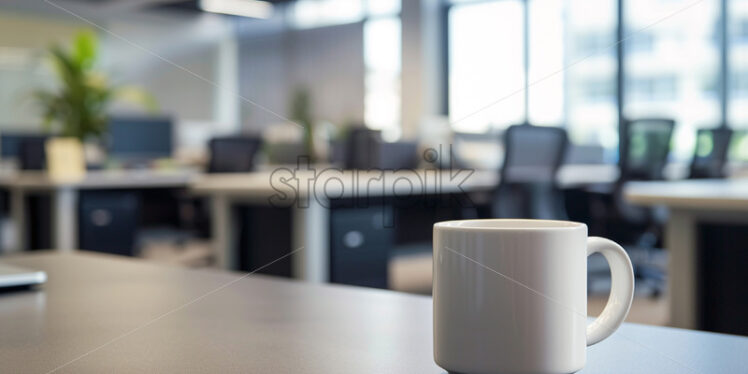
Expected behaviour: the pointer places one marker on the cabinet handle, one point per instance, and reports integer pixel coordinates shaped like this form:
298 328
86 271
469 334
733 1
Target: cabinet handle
101 217
353 239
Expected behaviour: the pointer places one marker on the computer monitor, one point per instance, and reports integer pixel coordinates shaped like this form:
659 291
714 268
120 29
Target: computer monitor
10 143
140 138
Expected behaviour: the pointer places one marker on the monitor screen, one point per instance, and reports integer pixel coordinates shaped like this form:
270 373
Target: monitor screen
140 137
10 143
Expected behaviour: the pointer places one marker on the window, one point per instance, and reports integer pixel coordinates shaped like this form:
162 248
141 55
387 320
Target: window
486 65
382 81
672 73
570 69
672 53
653 89
738 63
546 62
591 116
382 45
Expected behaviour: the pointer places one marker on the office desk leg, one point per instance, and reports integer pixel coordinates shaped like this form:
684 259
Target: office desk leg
311 231
223 230
65 219
18 216
680 241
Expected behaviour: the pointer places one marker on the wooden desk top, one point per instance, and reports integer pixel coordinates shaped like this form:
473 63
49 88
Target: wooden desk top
115 314
705 194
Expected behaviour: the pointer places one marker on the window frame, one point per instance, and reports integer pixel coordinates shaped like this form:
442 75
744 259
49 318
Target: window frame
723 48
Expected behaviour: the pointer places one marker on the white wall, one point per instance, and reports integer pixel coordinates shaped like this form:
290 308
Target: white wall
180 58
327 61
422 78
22 40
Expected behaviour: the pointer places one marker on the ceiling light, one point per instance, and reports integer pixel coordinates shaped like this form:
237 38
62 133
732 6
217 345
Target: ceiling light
243 8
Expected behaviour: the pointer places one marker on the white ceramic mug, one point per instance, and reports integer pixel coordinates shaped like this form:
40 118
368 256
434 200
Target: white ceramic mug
510 296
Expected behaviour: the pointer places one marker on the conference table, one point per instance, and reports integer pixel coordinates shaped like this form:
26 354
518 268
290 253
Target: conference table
100 313
308 193
705 239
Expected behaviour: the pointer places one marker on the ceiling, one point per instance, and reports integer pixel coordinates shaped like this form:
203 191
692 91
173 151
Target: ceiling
105 8
184 5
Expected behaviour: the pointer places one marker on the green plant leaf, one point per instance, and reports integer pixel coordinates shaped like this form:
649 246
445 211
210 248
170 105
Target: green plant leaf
85 49
79 106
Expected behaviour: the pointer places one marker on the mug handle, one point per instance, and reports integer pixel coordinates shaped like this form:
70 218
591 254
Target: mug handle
621 293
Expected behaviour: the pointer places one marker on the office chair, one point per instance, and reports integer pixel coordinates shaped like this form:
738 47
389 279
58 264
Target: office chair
360 147
644 151
233 154
365 150
529 187
32 154
710 155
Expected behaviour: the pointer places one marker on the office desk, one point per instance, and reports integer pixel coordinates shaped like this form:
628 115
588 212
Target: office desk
694 203
99 313
65 196
311 216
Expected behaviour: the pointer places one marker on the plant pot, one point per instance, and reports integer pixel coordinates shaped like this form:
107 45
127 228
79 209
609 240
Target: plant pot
94 154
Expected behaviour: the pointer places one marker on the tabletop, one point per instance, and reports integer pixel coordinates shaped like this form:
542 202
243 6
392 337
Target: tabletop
100 179
346 183
100 313
705 194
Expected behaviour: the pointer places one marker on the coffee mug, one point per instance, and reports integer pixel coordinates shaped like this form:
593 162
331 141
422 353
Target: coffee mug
510 296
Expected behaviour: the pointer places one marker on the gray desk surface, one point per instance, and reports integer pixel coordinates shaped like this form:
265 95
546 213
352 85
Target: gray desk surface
154 320
101 179
369 182
705 194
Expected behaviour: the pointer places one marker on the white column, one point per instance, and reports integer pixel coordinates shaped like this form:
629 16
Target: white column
18 216
227 102
421 87
65 219
311 233
223 230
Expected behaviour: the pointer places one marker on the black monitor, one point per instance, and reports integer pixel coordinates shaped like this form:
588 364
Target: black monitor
140 137
10 143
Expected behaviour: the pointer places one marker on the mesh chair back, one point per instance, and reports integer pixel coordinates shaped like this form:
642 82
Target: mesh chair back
533 154
645 148
528 186
710 155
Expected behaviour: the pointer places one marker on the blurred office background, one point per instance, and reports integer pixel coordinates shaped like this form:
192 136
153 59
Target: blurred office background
479 65
416 74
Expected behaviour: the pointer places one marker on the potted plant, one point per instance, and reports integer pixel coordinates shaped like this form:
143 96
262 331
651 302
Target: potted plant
301 113
78 106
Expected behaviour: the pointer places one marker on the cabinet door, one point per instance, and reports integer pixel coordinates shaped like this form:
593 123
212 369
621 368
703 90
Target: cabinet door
360 245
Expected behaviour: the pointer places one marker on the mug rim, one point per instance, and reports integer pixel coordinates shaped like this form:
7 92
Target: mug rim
509 224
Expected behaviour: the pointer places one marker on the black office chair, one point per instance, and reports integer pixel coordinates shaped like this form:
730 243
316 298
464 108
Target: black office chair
233 154
529 187
32 154
710 155
644 151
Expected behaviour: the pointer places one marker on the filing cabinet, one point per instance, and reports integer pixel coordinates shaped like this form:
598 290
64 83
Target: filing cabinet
360 244
108 221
